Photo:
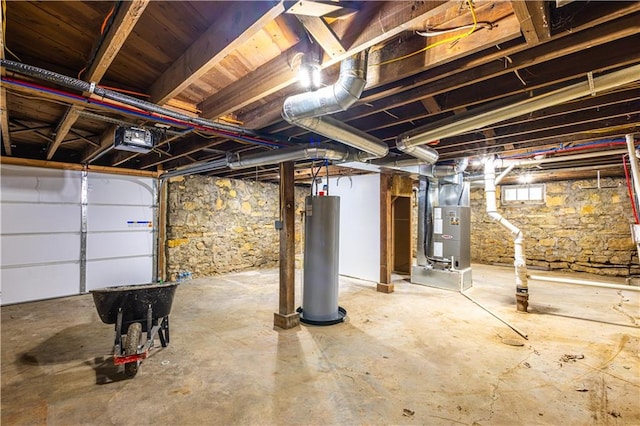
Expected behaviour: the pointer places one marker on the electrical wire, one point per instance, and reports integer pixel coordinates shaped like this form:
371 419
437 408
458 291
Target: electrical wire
140 113
474 26
434 32
630 189
106 19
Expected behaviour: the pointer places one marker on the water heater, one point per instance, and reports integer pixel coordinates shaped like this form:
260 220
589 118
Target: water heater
321 254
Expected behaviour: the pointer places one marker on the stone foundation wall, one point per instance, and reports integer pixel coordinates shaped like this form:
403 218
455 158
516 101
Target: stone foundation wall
576 229
222 225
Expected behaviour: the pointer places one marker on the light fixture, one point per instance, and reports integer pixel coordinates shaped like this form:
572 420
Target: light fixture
526 178
309 74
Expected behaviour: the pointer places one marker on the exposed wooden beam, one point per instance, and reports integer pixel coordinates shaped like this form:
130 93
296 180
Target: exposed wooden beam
534 19
62 130
431 58
127 16
431 105
231 29
385 234
287 317
4 113
269 78
106 141
392 19
123 23
75 166
322 33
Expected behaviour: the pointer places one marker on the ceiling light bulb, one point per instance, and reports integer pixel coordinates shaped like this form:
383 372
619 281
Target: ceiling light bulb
316 77
526 178
304 77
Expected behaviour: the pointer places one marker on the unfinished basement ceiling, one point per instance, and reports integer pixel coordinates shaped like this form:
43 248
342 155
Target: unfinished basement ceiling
236 62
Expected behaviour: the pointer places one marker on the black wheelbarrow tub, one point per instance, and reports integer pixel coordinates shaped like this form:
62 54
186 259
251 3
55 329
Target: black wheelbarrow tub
134 301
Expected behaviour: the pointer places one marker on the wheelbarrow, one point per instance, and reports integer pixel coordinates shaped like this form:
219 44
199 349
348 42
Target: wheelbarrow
135 309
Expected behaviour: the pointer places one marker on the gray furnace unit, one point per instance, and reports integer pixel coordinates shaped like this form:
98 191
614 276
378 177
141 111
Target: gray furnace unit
321 250
444 233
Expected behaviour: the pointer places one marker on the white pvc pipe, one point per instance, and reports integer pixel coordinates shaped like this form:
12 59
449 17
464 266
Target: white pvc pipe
473 120
587 283
634 164
559 159
519 262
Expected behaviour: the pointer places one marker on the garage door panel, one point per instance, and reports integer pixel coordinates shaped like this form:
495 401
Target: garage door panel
109 189
118 244
40 185
119 218
114 272
39 218
40 248
39 282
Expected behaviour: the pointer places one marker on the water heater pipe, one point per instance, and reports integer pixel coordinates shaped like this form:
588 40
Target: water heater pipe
522 291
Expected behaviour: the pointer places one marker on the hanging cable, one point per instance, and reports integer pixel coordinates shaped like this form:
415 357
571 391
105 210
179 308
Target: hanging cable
474 26
630 189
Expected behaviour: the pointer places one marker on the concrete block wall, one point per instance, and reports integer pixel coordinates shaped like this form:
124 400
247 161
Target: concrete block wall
576 229
218 225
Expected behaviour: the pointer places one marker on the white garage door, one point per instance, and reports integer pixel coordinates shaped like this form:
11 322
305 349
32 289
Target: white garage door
120 230
64 232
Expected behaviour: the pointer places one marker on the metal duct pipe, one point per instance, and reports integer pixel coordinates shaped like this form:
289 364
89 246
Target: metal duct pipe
83 86
424 153
197 168
460 166
472 120
303 110
341 132
321 152
328 100
520 263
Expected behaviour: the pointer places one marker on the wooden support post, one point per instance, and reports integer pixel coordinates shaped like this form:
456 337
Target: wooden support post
385 285
287 317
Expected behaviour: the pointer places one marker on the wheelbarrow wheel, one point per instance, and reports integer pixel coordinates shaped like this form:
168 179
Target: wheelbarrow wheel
131 348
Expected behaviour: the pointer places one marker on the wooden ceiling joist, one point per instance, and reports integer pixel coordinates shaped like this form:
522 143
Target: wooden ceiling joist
230 30
393 18
322 33
126 18
534 19
4 112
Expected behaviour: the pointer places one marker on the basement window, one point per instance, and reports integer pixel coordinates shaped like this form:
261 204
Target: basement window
515 195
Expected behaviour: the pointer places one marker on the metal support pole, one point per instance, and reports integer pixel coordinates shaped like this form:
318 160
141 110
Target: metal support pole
84 200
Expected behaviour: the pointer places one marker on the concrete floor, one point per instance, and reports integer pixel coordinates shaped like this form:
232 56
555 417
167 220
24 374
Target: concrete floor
417 356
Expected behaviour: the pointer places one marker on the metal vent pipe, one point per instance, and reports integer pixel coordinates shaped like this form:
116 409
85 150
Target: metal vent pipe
304 110
473 120
320 152
330 99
